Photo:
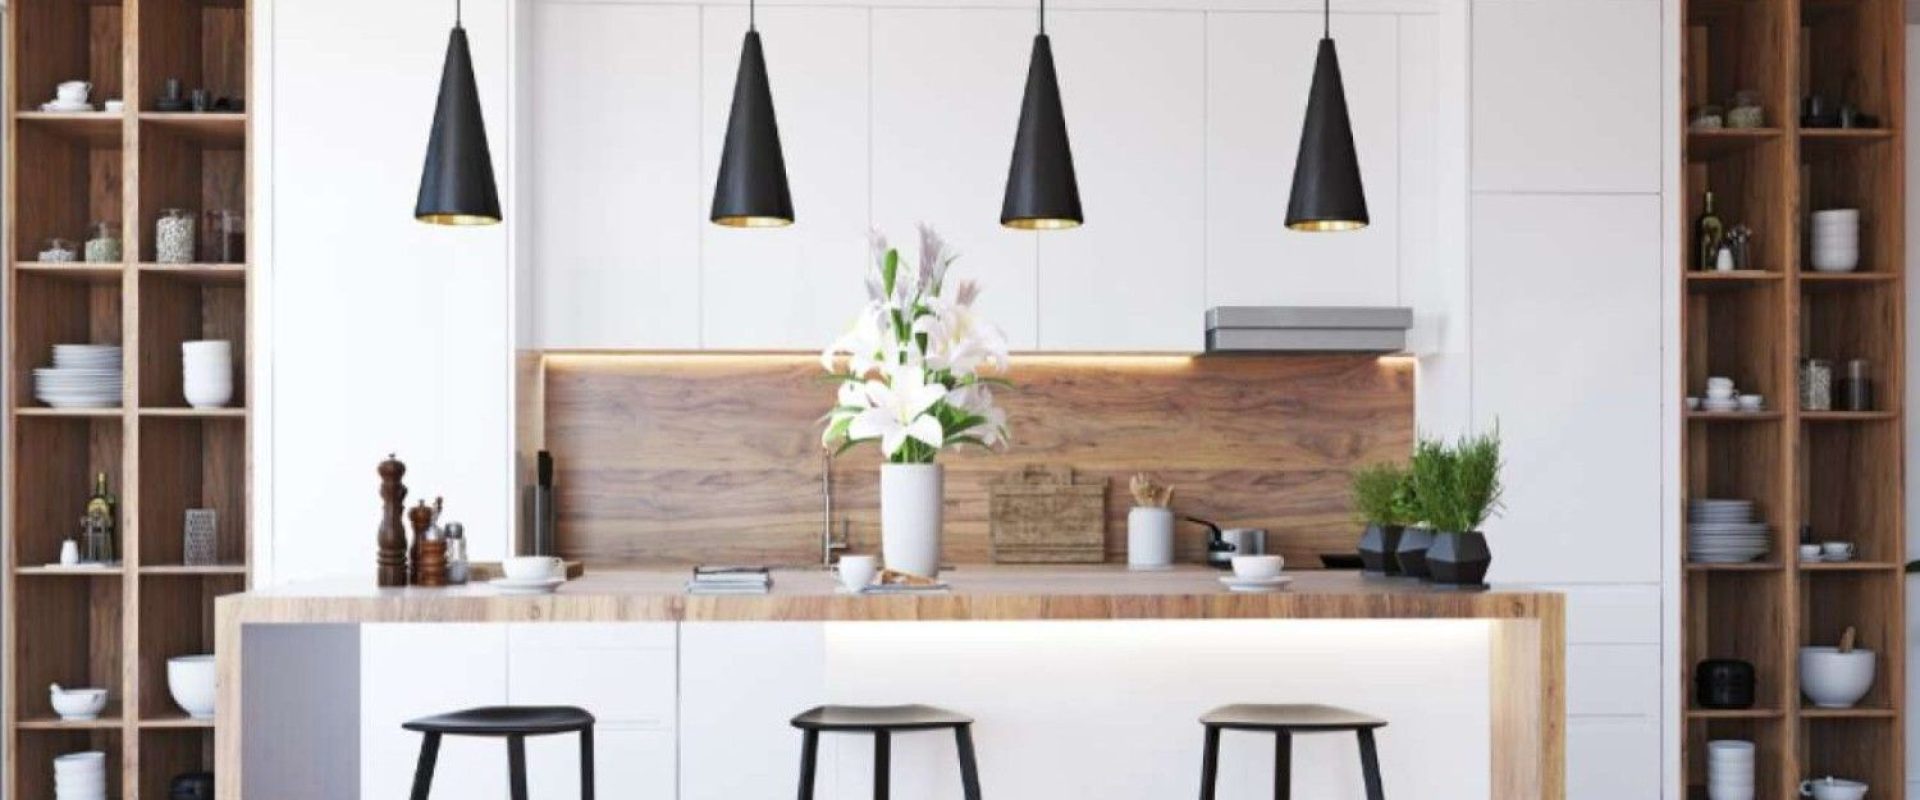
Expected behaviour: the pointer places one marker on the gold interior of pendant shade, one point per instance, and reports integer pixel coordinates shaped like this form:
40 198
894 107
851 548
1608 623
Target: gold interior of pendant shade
1042 224
753 222
1327 225
458 219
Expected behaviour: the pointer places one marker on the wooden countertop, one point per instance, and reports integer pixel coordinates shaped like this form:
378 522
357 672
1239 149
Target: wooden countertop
979 592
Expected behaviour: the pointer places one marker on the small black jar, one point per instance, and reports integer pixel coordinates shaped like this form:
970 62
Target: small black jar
1723 683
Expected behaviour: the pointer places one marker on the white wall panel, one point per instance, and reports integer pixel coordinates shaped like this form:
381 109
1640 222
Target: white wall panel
1134 90
1567 355
1613 759
1259 67
740 685
795 287
617 176
946 99
416 670
1566 97
1613 680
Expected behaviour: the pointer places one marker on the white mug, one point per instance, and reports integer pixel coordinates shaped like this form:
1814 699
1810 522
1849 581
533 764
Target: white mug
856 572
73 91
1831 788
1809 552
1836 551
69 553
532 568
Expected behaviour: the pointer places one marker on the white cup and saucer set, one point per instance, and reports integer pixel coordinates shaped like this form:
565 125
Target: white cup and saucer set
530 575
1257 574
70 96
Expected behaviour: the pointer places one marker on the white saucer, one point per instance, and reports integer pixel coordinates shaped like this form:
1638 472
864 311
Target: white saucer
536 586
1239 584
56 105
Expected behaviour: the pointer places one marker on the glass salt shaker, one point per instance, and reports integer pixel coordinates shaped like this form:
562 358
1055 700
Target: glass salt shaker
457 567
103 243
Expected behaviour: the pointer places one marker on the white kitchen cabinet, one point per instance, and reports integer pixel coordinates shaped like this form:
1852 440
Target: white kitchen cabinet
417 670
628 764
1133 85
1567 359
1259 68
792 288
625 674
617 177
741 683
1613 680
1613 758
946 97
1566 96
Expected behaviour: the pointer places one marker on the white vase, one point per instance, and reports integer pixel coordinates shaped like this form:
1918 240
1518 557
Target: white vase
910 508
1149 537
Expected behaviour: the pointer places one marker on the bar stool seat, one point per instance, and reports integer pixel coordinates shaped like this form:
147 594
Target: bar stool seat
1283 721
515 723
882 722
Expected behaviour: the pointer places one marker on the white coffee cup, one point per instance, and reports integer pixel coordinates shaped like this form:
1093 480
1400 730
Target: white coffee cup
1258 568
1752 402
1831 788
1809 552
73 91
531 568
1836 551
856 572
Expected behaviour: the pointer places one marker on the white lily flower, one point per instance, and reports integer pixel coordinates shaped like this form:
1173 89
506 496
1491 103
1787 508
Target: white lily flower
899 412
977 399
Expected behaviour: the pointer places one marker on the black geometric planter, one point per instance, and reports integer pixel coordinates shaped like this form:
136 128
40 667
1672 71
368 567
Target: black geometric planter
1459 559
1376 549
1412 552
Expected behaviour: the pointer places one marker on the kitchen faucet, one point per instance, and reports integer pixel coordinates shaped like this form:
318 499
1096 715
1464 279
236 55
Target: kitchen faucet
827 543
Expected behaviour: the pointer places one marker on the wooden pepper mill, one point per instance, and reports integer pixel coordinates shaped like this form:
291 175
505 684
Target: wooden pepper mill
423 516
430 548
392 558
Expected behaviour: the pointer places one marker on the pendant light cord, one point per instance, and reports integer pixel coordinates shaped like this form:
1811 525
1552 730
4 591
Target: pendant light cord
752 14
456 13
1043 17
1326 19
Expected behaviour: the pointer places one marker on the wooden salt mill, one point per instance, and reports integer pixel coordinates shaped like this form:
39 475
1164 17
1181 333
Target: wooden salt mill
392 558
423 516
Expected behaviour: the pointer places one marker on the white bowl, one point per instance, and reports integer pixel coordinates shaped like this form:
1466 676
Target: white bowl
1258 568
221 346
1836 262
1832 679
78 704
200 396
190 681
531 568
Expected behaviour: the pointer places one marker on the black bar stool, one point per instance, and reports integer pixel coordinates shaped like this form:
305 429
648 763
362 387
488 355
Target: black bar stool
1283 722
516 723
883 722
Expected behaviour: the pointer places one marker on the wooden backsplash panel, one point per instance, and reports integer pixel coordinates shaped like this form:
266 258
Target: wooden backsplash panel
716 458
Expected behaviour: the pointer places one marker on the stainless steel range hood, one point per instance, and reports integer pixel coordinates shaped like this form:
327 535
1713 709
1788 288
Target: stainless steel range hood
1308 329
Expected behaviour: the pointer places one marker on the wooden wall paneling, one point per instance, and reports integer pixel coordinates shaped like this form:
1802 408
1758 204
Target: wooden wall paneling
680 459
166 752
191 463
66 40
170 42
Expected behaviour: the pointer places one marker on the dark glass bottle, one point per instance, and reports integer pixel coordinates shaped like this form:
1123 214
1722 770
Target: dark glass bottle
1708 233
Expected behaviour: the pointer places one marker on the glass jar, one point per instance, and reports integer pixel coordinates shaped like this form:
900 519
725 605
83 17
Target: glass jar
103 243
1816 385
173 237
58 251
1856 390
226 239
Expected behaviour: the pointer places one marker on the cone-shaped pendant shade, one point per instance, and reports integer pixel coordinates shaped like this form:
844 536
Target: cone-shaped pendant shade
456 187
1042 193
752 189
1327 195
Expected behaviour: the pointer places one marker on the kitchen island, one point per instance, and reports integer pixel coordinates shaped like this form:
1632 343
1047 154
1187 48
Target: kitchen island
1522 632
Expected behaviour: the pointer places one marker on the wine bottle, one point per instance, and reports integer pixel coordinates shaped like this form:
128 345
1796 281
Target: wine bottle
1709 232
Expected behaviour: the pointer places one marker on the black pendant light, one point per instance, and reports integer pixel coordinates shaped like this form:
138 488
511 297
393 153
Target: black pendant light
1327 195
751 191
1042 193
456 186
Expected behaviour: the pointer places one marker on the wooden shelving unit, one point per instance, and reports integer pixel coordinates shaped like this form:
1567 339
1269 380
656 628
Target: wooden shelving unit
116 628
1838 472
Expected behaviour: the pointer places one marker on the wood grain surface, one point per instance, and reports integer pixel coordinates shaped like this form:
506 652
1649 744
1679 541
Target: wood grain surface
664 458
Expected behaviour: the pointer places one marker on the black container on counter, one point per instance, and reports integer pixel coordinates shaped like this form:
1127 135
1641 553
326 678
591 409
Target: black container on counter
1722 683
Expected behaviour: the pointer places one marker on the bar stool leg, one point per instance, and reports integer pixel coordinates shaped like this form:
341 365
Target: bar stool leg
969 771
517 767
809 750
882 765
586 763
423 772
1282 765
1210 763
1370 766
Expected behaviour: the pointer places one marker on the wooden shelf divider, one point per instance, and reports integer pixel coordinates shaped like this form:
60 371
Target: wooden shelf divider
1836 473
116 628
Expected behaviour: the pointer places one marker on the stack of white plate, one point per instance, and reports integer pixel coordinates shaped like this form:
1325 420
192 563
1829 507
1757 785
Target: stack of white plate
1723 532
208 378
82 376
1836 240
1729 769
80 776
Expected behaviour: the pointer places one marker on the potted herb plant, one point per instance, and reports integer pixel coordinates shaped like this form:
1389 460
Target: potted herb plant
915 381
1470 496
1381 499
1427 471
